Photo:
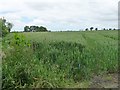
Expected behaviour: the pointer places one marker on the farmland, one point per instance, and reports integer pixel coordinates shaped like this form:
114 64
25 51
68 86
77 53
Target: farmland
58 59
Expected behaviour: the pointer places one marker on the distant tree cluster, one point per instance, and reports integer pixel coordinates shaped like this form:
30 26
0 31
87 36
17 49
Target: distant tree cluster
92 28
35 29
5 27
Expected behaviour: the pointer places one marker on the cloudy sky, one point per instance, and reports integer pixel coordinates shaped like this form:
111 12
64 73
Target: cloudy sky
61 14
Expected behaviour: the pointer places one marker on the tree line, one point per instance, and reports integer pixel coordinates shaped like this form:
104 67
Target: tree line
92 28
35 29
5 27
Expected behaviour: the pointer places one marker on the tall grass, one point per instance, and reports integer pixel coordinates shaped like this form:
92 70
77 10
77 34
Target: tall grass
57 63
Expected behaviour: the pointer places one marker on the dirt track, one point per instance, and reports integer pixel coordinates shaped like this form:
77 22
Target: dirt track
105 81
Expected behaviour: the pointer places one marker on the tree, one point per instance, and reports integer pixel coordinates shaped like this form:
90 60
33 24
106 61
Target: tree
26 29
43 28
35 29
91 28
5 27
86 29
9 26
32 28
96 29
110 29
2 23
114 29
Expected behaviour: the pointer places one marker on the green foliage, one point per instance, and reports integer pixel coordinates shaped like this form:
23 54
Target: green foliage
58 54
41 28
4 32
15 73
35 29
57 59
26 29
5 27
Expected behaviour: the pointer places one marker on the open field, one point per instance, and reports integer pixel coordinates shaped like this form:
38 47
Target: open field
58 59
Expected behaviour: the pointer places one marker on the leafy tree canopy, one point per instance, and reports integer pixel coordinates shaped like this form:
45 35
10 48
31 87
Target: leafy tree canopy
35 29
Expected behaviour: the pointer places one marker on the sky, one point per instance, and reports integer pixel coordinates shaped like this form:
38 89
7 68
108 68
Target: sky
60 15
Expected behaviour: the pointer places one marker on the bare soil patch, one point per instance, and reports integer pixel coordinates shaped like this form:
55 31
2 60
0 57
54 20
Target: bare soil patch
105 81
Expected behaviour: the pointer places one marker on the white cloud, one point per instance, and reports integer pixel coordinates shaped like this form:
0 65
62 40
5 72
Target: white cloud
60 14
